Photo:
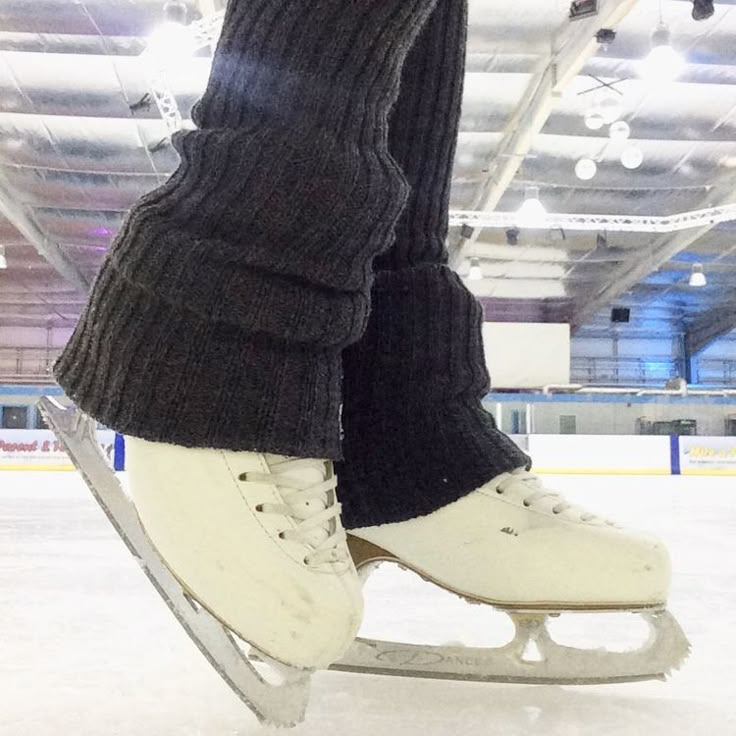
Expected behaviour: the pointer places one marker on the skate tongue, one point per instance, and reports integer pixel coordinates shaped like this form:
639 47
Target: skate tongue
311 474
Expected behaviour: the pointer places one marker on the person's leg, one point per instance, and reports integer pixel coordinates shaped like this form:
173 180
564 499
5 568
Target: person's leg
415 434
221 311
427 478
218 319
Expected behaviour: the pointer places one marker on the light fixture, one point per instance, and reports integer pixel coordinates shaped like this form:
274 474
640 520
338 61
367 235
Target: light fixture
697 275
476 272
3 259
619 131
172 40
532 212
663 63
176 11
594 119
586 169
632 157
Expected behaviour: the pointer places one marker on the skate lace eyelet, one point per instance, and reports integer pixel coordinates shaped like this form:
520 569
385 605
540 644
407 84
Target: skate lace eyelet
243 476
499 491
307 562
282 535
527 504
259 508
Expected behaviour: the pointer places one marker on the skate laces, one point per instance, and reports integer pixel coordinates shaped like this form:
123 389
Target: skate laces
311 502
532 492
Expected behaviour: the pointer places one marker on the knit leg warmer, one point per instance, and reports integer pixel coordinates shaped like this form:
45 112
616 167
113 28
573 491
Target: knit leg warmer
415 434
219 316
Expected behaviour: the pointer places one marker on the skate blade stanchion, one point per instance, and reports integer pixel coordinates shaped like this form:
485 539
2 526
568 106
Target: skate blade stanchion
531 657
548 663
278 705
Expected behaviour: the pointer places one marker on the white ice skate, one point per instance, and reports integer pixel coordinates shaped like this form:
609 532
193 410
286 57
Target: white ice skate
524 550
545 557
236 544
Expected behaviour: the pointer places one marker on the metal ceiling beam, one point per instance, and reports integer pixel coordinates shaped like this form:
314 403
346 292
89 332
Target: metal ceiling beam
629 274
709 328
595 223
571 47
26 224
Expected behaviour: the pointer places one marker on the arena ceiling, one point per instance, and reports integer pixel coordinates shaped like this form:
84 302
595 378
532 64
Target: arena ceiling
80 141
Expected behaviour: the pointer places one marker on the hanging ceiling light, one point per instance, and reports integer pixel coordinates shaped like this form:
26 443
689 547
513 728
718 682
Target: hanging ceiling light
697 275
172 40
632 157
176 11
619 131
3 259
586 169
476 272
663 64
532 212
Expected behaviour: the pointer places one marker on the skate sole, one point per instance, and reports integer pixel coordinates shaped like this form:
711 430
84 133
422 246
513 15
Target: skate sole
366 553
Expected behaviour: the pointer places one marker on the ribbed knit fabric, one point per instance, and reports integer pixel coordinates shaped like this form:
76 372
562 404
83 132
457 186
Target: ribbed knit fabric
423 132
222 308
416 436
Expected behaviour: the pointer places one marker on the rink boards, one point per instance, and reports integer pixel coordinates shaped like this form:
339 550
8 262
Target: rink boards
22 449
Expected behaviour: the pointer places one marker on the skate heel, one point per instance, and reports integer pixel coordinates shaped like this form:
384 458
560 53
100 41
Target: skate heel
364 553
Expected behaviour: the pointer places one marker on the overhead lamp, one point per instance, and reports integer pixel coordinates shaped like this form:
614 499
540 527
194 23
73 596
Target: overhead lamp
176 11
532 212
476 272
632 157
619 131
586 169
172 40
663 64
3 259
697 275
703 9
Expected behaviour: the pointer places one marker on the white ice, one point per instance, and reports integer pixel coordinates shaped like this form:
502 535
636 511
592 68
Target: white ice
88 649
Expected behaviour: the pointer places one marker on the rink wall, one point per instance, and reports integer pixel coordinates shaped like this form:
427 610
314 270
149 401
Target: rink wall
38 449
22 449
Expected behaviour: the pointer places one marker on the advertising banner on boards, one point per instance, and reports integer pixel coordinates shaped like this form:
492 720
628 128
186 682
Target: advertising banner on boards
38 449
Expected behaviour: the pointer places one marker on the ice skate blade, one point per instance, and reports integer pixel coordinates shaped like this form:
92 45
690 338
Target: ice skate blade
665 650
277 705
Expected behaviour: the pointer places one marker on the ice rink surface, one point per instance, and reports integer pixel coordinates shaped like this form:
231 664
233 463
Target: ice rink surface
88 649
